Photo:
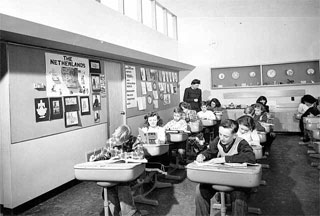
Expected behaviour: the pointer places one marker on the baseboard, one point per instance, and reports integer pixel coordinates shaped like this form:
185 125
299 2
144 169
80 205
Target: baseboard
36 201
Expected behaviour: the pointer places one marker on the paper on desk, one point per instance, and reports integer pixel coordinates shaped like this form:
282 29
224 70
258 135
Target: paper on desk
238 165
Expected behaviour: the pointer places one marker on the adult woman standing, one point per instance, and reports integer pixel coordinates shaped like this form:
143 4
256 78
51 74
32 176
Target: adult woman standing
193 95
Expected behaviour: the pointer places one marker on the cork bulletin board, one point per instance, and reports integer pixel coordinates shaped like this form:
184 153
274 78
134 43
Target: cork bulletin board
28 87
236 76
150 89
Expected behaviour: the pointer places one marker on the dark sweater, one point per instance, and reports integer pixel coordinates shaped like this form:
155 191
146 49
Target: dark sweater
245 152
191 94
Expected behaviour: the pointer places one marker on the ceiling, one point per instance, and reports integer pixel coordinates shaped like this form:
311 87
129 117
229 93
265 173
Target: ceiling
242 8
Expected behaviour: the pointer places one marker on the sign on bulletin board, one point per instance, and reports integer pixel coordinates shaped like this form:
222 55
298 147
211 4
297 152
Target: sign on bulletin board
66 75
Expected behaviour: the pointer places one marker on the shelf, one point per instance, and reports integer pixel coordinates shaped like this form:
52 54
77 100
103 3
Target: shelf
264 86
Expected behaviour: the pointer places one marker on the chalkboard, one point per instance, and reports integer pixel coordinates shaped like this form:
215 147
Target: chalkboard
27 67
236 76
150 89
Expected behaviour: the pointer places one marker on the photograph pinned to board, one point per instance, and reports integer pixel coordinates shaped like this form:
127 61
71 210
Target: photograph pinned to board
96 101
161 96
160 76
66 75
164 88
154 86
166 99
95 66
85 105
71 103
155 95
103 85
143 74
42 110
56 108
96 116
168 88
148 74
154 74
149 86
175 89
155 104
95 82
170 76
71 118
143 88
164 76
161 89
142 103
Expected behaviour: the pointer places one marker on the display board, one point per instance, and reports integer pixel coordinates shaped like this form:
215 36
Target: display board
236 76
52 92
293 73
150 89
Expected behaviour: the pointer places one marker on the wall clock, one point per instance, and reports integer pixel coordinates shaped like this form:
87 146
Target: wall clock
271 73
252 74
290 72
235 75
310 71
221 76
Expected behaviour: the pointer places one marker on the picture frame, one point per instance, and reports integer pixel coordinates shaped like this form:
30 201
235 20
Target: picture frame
71 103
85 105
96 101
56 108
94 66
41 108
95 82
71 119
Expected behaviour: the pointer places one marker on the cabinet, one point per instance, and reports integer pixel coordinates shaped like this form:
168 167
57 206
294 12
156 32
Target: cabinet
279 74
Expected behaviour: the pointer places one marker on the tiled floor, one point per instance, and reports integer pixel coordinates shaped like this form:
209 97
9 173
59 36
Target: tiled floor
292 189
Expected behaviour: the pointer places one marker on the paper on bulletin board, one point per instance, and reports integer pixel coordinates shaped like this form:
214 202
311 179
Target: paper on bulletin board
166 99
149 86
155 104
131 86
142 103
66 75
143 88
155 95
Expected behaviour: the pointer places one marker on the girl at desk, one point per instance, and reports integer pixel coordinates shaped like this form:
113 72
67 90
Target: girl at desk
178 123
153 124
247 130
226 148
216 108
120 197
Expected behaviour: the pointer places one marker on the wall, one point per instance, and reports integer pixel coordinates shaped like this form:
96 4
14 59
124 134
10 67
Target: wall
92 19
240 41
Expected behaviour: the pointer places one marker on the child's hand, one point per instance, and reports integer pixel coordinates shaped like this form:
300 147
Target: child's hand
200 158
218 160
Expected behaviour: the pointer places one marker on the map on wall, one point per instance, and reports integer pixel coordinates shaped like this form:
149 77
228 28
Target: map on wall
66 75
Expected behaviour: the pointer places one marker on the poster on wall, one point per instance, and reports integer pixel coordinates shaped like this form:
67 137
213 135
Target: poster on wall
56 108
131 86
66 75
41 106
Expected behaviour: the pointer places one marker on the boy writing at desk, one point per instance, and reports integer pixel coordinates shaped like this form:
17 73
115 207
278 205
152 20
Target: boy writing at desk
226 148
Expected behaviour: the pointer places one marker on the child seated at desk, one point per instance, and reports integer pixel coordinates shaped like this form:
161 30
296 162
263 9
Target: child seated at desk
249 111
227 147
247 130
153 124
314 110
178 123
206 114
119 196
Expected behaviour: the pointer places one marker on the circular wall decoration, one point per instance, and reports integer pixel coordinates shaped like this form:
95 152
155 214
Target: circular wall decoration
149 99
290 72
271 73
221 76
235 75
252 74
310 71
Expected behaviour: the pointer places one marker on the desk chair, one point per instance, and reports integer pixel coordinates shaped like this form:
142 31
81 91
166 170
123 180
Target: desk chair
222 190
105 186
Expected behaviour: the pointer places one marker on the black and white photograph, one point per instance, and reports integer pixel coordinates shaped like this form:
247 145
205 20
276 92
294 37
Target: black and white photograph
160 107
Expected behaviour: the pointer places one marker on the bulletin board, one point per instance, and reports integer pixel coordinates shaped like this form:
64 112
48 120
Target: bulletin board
291 73
150 89
28 85
236 77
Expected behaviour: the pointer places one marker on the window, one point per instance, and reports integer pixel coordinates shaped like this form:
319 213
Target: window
171 24
131 9
146 13
160 18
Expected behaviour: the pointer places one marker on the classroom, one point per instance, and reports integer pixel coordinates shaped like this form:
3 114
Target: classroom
159 107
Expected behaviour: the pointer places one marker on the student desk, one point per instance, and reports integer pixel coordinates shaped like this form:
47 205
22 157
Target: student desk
108 173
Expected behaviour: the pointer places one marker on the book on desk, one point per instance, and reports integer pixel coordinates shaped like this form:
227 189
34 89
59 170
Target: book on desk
149 137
